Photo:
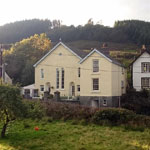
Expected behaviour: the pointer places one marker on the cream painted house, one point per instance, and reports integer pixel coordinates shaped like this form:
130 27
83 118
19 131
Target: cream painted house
94 77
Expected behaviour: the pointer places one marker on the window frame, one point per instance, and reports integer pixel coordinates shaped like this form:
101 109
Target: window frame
147 85
42 87
57 78
78 88
95 65
42 73
105 103
145 67
62 78
122 84
93 84
79 72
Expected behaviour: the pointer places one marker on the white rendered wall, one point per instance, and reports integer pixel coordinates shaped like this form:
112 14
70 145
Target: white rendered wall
137 74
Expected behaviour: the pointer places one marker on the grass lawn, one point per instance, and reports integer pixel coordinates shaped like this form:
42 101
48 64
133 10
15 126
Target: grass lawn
58 135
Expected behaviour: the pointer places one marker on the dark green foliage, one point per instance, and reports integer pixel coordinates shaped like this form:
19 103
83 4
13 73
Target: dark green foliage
113 116
66 111
128 31
35 109
85 115
139 102
137 31
11 105
15 32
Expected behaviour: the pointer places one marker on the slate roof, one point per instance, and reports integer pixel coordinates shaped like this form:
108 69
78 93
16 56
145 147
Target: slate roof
147 50
82 54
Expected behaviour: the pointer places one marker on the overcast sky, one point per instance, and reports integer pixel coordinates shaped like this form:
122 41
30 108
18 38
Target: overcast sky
74 11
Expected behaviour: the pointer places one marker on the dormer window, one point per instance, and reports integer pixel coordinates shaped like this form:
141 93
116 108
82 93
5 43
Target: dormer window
95 65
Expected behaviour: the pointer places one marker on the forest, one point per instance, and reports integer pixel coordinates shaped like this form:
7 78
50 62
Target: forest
29 40
128 31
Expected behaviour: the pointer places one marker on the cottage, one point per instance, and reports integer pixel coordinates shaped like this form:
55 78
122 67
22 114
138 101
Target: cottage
92 76
141 71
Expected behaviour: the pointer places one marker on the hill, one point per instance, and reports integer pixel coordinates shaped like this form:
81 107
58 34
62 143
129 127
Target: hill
124 32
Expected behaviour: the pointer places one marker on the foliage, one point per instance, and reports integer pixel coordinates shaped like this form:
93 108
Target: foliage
85 115
68 111
139 102
128 31
113 116
11 105
24 54
35 109
15 32
59 135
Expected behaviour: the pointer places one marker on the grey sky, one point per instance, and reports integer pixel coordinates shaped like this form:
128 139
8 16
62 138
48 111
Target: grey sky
75 11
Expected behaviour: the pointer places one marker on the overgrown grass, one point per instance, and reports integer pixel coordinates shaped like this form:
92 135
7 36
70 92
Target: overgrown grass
59 135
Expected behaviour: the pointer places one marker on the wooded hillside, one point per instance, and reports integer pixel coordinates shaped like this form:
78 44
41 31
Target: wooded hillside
129 31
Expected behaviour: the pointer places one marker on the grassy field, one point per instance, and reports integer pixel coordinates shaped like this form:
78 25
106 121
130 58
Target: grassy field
58 135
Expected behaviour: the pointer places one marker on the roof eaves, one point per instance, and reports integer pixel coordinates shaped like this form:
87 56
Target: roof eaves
53 50
139 56
95 50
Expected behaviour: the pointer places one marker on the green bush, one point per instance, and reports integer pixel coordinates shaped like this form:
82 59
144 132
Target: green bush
35 109
113 116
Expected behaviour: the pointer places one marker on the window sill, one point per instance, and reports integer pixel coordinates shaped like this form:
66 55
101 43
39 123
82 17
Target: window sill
96 91
60 89
95 73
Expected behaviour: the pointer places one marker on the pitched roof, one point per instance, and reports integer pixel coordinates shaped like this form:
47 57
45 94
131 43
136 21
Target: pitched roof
60 43
102 54
148 51
81 54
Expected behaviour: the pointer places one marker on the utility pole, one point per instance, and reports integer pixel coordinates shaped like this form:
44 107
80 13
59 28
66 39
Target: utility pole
1 61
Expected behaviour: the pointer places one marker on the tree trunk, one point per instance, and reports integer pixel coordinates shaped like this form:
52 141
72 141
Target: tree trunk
4 128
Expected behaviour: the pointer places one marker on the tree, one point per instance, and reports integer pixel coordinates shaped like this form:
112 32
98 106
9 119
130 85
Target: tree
11 105
24 55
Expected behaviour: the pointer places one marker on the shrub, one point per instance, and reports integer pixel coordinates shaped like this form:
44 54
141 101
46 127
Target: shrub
113 116
35 109
67 111
138 102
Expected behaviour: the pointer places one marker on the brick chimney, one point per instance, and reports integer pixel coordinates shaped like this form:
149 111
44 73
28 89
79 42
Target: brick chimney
143 48
105 45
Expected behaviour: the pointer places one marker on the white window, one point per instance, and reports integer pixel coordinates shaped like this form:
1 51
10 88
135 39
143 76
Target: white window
41 87
95 65
79 72
57 78
122 70
62 78
145 82
145 67
95 84
104 102
42 73
122 84
78 88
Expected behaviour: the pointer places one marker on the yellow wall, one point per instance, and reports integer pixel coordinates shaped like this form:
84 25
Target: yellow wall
68 61
117 77
109 77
